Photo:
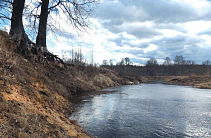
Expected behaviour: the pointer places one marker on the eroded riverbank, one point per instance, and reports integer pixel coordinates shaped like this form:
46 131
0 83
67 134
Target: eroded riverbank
36 98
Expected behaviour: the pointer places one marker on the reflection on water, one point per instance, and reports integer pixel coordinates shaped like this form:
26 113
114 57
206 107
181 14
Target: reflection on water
148 110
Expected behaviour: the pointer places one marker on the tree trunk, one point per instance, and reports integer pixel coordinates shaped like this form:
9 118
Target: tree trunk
17 31
41 37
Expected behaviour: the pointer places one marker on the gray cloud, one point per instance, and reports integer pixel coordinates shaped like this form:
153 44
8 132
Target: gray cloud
178 40
119 40
172 46
180 45
207 32
171 26
117 16
140 32
113 11
125 16
122 41
147 10
166 47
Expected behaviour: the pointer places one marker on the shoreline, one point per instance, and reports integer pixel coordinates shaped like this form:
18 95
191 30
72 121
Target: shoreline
201 82
36 100
192 81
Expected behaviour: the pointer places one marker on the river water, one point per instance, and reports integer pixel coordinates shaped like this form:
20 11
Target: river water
146 110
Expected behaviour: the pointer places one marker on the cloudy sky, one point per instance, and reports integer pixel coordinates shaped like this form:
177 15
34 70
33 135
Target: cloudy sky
144 29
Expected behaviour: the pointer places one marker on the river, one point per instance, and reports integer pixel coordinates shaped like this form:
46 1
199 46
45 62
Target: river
146 110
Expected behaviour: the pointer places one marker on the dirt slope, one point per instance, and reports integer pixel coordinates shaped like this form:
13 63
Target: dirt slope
35 100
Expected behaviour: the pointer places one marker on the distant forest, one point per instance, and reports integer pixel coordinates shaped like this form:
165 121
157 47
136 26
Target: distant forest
178 67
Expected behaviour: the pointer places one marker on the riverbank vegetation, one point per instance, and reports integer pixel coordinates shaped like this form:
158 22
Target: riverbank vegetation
202 82
36 95
37 87
179 71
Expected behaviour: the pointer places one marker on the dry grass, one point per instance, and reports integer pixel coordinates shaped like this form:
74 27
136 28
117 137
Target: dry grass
103 81
203 82
36 101
32 104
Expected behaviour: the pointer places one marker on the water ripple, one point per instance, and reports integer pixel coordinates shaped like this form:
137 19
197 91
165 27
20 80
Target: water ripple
151 110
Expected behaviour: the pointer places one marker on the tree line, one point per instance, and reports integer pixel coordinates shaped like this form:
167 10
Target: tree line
177 67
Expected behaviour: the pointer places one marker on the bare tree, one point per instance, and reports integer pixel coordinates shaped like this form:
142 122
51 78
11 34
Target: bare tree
41 37
193 62
12 10
76 56
92 58
122 63
131 63
190 62
152 62
17 31
207 62
167 61
105 63
63 53
179 60
5 10
151 66
111 62
77 13
127 61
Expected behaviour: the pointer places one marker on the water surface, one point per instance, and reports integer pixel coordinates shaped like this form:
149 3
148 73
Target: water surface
146 110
